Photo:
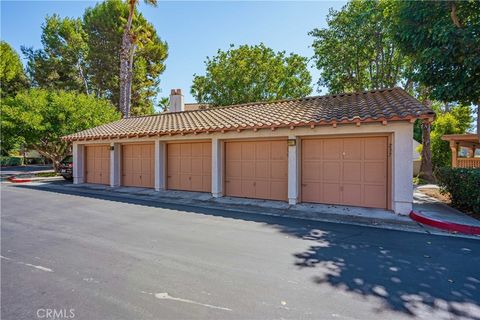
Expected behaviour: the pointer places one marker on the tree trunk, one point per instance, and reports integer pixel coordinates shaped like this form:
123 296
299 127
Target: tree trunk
426 168
125 54
478 120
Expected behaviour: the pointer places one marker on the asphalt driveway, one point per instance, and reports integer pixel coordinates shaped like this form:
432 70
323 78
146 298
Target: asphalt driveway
102 258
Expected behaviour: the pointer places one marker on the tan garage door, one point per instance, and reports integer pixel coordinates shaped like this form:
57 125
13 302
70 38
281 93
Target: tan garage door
138 165
348 171
256 169
189 166
97 166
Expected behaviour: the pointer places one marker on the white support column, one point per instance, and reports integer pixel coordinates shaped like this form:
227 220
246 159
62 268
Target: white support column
293 170
402 195
115 165
217 168
78 162
160 164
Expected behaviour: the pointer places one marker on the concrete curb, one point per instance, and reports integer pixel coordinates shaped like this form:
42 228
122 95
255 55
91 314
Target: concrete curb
444 225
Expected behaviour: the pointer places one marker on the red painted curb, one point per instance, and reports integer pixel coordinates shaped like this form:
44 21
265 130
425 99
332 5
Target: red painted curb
448 226
19 180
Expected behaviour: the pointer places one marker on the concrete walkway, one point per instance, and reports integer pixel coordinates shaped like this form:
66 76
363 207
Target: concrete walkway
330 213
433 213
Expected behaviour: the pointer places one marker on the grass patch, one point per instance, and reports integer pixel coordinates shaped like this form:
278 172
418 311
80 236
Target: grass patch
419 181
46 174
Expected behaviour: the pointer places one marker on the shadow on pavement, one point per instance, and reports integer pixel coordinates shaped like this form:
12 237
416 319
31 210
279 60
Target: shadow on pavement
418 275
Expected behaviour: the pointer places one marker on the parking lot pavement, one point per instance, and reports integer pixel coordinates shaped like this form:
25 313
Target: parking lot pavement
106 259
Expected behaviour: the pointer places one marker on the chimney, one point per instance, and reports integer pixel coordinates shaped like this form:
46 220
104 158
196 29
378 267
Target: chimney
176 101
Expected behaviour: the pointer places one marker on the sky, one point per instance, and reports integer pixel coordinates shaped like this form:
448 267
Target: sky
192 29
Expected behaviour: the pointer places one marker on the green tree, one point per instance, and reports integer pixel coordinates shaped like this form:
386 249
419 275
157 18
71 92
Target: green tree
442 38
132 39
251 73
83 55
356 52
41 117
450 119
105 25
12 76
61 63
12 80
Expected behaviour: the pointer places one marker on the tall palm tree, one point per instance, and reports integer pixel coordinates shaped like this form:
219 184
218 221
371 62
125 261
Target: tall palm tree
127 53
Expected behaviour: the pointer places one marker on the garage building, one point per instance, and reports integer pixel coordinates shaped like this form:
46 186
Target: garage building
346 149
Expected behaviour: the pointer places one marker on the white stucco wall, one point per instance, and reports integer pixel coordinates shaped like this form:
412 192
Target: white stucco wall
401 132
78 162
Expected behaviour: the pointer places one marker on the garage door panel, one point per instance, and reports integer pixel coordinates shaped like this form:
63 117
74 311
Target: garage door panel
248 169
262 189
375 196
331 171
186 164
263 169
197 165
174 181
207 150
138 165
207 166
197 182
312 168
262 151
234 169
278 170
248 188
189 166
207 183
375 148
352 149
196 149
352 194
173 150
278 150
97 164
185 149
233 152
248 151
314 148
311 192
278 189
375 172
331 193
350 171
332 149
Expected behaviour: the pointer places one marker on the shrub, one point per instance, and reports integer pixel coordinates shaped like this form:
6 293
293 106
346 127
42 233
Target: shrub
463 185
11 161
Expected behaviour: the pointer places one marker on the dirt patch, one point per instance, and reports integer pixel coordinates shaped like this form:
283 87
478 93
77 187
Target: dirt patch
435 193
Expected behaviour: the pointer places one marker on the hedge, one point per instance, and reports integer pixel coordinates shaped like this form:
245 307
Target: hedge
463 185
11 161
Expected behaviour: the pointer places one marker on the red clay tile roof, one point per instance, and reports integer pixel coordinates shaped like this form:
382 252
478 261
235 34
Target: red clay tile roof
388 104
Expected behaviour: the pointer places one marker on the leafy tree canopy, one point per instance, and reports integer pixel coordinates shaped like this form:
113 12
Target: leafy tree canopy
442 38
356 51
251 73
83 55
12 77
104 25
41 117
61 64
